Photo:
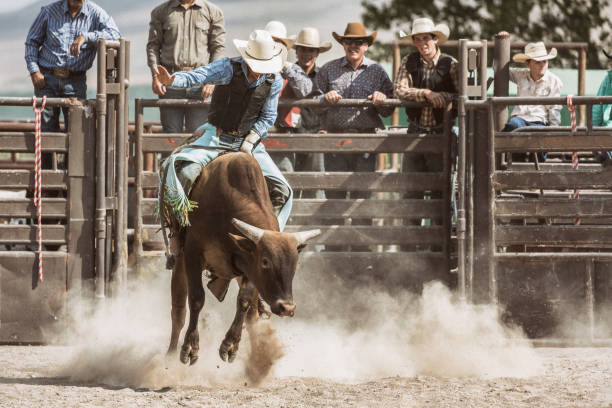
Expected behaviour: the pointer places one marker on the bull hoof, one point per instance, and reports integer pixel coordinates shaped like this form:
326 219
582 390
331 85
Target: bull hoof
228 351
194 359
185 355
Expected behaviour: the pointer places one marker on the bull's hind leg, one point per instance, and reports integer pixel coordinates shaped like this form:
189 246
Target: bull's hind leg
245 303
178 288
193 267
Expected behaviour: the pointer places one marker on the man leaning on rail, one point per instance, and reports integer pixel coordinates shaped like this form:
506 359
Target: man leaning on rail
243 109
184 35
426 75
60 47
353 76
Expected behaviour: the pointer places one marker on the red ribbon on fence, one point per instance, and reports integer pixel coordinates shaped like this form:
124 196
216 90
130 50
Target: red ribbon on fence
572 110
38 180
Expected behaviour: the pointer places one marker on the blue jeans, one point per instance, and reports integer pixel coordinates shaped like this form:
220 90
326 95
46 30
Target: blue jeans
72 87
179 120
516 122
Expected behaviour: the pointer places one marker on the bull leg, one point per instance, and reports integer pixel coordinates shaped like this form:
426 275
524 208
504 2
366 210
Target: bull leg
195 291
178 289
245 303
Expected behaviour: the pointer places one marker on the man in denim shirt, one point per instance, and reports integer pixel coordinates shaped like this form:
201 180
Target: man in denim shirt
60 47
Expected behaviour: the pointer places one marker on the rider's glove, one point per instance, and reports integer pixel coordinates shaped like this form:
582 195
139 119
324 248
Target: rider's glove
250 141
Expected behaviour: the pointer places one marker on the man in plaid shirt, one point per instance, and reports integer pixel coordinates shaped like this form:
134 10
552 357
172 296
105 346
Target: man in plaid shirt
426 75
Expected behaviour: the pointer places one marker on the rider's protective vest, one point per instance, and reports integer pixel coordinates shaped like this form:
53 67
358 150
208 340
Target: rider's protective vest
439 81
235 107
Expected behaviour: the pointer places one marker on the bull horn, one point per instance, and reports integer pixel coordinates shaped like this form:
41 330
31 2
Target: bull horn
304 236
251 232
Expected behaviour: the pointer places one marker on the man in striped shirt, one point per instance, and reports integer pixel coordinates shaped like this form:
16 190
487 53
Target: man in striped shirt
60 47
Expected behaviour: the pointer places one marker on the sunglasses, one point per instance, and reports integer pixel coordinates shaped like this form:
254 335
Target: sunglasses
357 41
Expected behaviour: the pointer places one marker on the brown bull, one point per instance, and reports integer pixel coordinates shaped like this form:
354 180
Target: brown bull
233 234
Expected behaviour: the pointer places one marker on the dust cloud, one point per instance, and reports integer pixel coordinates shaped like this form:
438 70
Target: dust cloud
340 332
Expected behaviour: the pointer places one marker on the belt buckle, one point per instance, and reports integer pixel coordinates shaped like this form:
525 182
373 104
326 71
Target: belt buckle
61 72
229 140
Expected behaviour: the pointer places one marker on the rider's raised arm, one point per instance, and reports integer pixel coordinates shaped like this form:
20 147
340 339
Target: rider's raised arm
218 72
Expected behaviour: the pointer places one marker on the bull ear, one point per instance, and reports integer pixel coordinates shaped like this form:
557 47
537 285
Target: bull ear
242 243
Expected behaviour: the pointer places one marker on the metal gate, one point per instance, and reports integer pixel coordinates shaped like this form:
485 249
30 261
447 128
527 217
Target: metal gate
81 200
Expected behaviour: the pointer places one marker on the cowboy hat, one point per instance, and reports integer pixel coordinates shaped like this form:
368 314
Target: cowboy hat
426 26
279 33
355 30
261 53
607 55
309 37
535 51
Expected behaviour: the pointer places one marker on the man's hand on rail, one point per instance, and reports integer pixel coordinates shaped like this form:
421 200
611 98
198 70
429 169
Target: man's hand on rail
38 80
332 96
436 99
75 48
158 87
163 76
377 97
207 91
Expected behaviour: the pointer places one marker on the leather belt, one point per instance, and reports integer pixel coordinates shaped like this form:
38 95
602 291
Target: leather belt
175 68
62 73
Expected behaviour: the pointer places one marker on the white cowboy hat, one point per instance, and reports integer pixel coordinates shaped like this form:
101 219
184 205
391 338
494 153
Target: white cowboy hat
261 53
309 37
535 51
426 26
279 33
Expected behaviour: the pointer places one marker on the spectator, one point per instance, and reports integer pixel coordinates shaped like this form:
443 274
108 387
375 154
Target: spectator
59 49
301 83
183 35
602 114
426 75
285 160
353 77
536 80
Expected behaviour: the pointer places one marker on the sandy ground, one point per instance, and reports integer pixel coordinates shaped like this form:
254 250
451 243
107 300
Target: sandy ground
572 377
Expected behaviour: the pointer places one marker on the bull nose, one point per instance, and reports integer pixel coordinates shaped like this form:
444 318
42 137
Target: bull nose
286 308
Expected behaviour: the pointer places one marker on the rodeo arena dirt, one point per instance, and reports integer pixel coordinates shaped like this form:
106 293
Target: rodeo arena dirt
481 283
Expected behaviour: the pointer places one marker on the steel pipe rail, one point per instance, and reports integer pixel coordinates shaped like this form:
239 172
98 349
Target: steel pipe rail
491 44
535 100
51 102
190 103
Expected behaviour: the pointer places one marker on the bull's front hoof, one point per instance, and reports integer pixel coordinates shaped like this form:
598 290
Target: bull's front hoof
193 360
185 355
228 351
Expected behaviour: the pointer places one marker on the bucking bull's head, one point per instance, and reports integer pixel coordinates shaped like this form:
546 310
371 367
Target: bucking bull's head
269 260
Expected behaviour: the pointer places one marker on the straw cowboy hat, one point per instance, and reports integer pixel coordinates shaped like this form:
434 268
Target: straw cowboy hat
426 26
309 37
279 33
535 51
355 30
261 53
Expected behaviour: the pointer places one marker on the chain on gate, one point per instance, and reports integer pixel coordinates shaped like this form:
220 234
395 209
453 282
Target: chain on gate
572 110
38 180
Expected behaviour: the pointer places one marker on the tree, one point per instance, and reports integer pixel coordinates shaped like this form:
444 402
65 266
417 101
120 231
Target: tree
527 20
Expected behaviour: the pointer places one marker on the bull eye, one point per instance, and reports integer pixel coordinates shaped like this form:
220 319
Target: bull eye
265 263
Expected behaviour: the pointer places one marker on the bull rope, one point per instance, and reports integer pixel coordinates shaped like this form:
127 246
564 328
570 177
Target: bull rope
572 110
38 179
